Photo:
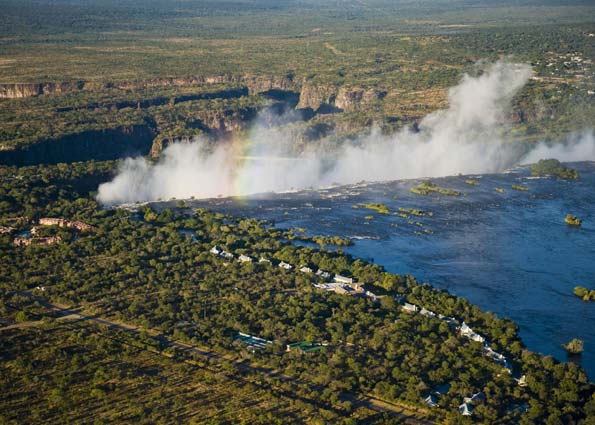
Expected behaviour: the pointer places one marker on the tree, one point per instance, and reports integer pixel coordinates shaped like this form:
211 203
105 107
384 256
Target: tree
21 316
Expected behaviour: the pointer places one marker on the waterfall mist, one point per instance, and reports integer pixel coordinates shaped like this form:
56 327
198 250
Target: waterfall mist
468 137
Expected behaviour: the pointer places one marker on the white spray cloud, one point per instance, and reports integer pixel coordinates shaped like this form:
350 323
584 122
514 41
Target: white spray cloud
185 169
578 147
467 137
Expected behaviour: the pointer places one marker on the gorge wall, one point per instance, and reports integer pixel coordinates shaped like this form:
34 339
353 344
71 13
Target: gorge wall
106 144
319 97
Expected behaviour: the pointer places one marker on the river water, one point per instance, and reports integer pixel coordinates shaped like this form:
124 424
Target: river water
510 253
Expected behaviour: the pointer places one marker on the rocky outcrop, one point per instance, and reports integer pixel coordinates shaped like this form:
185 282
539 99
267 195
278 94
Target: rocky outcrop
261 84
159 145
289 100
174 82
213 124
318 97
255 84
314 96
229 120
356 99
21 90
232 93
15 91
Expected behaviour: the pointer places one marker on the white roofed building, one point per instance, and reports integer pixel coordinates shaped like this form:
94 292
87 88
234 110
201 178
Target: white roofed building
475 398
227 255
410 307
466 409
522 381
427 313
476 337
465 329
469 333
323 274
431 401
343 279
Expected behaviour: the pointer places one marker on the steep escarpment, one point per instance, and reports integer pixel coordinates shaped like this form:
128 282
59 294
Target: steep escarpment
231 93
21 90
253 83
106 144
316 96
105 123
325 98
353 99
320 97
212 124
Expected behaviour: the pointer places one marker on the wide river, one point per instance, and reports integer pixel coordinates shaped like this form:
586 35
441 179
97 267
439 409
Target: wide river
510 253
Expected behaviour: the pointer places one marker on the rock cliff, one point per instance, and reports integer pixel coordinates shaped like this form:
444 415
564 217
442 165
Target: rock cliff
255 84
314 96
213 124
21 90
357 99
292 100
319 97
104 144
342 98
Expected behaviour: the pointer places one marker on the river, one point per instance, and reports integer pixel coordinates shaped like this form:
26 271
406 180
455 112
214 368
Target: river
508 252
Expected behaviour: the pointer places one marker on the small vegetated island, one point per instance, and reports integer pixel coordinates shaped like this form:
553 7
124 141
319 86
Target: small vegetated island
584 293
379 208
573 220
414 211
428 187
323 241
297 233
553 168
575 346
520 187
